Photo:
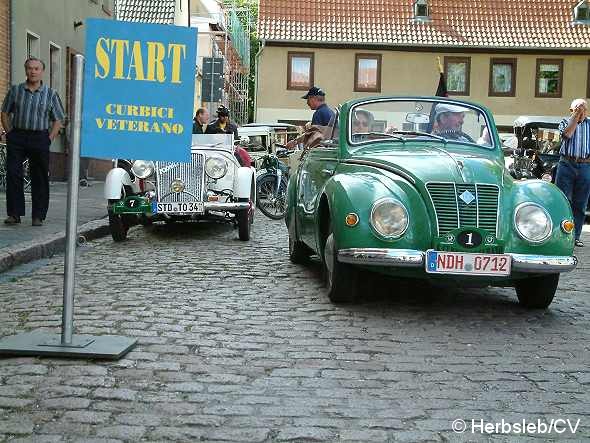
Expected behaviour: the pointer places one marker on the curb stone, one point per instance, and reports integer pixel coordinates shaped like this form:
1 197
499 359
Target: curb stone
50 245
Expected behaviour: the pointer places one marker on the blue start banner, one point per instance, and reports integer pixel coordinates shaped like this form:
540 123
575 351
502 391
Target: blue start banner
139 83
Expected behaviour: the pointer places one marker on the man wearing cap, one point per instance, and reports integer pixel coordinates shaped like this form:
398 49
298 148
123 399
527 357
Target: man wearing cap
223 125
573 169
448 122
316 100
323 115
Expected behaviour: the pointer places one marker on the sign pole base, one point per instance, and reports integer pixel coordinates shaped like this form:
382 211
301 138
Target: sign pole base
40 344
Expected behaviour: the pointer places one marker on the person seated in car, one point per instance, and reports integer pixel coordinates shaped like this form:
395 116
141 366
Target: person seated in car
362 121
241 154
448 122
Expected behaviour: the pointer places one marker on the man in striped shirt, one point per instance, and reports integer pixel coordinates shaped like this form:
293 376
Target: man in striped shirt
573 169
32 116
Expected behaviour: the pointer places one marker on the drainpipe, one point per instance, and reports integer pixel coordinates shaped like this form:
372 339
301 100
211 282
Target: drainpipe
12 27
258 54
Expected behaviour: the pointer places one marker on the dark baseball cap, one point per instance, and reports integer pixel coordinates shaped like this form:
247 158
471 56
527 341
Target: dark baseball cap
314 92
223 111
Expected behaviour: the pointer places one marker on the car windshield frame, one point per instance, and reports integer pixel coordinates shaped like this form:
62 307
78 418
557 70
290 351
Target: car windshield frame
354 145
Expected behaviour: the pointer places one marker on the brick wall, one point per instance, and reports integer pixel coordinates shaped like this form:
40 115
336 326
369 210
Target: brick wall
4 47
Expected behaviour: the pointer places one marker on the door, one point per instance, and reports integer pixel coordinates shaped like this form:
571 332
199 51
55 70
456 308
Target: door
318 167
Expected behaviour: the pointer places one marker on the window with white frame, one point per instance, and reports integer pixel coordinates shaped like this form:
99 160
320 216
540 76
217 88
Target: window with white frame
54 66
33 45
582 12
421 10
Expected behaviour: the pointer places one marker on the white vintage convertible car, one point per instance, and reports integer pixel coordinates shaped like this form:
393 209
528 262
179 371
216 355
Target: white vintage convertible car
213 186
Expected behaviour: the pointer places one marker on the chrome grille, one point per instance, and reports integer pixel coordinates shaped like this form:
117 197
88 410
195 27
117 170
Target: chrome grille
190 173
452 212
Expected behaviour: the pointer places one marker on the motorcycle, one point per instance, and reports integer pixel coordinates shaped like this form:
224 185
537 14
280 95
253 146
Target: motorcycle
271 184
534 155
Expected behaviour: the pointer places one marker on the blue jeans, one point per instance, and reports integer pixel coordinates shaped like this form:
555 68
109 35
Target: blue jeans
574 181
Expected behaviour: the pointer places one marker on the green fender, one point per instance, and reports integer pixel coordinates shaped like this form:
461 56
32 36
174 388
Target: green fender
548 196
356 192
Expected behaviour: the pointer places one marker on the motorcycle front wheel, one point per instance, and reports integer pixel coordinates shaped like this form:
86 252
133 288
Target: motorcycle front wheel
271 203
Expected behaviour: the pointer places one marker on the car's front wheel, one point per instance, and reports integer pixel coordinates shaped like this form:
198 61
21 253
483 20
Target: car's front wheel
342 279
537 292
118 227
245 219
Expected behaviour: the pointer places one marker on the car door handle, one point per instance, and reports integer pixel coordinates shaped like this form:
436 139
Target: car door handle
328 172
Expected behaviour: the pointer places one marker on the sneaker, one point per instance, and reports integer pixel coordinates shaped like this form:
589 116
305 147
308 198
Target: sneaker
579 243
12 220
37 222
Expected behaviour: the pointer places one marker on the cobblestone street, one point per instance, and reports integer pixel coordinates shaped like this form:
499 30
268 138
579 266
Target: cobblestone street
238 344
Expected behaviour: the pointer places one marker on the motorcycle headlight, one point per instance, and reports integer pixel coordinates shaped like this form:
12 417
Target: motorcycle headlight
389 218
142 168
532 222
216 167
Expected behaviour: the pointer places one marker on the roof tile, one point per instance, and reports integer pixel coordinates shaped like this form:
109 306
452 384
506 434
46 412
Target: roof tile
146 11
523 24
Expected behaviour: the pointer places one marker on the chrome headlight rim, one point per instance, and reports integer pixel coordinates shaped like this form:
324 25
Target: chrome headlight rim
177 186
545 213
149 168
380 202
219 159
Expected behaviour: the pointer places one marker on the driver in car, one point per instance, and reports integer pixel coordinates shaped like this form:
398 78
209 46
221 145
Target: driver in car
448 122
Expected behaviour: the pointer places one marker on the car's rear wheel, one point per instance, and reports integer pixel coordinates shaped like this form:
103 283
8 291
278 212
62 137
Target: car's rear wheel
537 292
342 280
299 253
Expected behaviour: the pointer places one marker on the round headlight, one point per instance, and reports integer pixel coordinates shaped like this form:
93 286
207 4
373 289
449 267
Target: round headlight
142 168
389 218
532 222
216 167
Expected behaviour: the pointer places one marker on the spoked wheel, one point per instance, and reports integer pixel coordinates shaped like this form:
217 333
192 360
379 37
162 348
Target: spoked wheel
273 204
342 279
537 292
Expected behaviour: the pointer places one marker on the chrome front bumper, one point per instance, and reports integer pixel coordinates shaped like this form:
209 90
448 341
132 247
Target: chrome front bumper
537 264
216 206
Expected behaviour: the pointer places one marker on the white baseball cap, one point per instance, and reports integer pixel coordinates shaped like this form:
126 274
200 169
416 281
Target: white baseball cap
441 108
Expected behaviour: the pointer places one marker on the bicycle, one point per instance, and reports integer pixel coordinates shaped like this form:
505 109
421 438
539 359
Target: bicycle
271 185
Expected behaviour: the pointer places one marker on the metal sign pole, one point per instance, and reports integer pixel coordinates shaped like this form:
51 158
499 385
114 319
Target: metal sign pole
38 343
67 322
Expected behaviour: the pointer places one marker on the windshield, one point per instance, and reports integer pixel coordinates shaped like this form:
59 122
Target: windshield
410 120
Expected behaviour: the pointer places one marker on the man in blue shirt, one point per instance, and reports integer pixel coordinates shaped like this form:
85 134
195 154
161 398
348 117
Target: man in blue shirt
573 169
316 100
323 115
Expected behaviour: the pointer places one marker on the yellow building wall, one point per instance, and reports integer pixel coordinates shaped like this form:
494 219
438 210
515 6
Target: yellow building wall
411 73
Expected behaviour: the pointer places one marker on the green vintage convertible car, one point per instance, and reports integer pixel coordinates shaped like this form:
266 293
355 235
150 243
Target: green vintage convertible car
416 187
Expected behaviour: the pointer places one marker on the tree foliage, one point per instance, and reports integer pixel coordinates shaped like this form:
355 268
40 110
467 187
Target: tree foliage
252 6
